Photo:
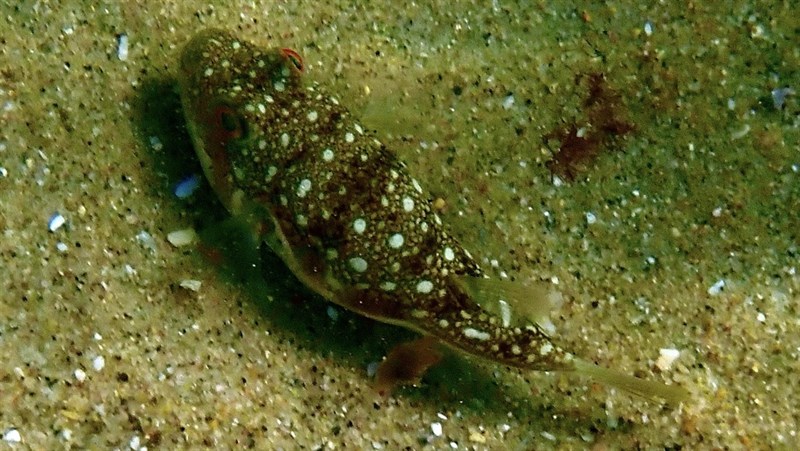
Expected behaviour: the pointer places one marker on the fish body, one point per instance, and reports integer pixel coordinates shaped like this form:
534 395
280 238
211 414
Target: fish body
338 207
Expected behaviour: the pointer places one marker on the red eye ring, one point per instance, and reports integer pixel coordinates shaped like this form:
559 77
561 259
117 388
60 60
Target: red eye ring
295 58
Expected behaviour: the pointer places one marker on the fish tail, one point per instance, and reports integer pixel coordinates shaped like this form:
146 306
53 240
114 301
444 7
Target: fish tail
650 390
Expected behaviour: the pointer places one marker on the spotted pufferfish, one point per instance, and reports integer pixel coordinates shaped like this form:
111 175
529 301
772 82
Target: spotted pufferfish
344 214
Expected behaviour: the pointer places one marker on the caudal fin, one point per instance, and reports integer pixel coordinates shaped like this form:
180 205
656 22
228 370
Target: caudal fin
650 390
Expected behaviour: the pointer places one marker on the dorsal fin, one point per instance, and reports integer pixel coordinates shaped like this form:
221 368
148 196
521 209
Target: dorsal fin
516 303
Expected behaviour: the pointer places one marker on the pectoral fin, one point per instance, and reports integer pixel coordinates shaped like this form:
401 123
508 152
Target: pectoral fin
406 364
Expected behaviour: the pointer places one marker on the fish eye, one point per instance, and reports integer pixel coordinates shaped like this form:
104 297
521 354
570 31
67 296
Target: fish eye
294 58
231 122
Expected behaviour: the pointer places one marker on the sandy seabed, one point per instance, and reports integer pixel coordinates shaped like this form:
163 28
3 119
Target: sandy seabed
678 234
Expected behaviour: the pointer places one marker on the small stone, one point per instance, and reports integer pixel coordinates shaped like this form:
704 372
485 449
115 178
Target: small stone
333 314
12 436
477 437
666 357
155 143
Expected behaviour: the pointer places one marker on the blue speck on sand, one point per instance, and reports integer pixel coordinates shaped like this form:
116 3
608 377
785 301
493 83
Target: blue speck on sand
187 186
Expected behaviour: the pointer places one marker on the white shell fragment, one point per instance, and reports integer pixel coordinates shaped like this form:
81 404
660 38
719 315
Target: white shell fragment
183 237
666 356
122 47
56 221
12 436
508 102
191 284
146 240
716 288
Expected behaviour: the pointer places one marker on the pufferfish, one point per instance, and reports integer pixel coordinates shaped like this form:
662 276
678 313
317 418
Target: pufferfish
347 218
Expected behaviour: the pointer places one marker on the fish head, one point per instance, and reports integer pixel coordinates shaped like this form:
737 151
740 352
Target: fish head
232 94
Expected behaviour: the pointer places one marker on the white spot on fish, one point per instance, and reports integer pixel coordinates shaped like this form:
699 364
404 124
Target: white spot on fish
327 155
408 204
358 264
476 334
312 116
285 140
271 171
348 137
545 349
396 240
388 286
303 188
424 286
359 225
416 185
449 255
505 312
